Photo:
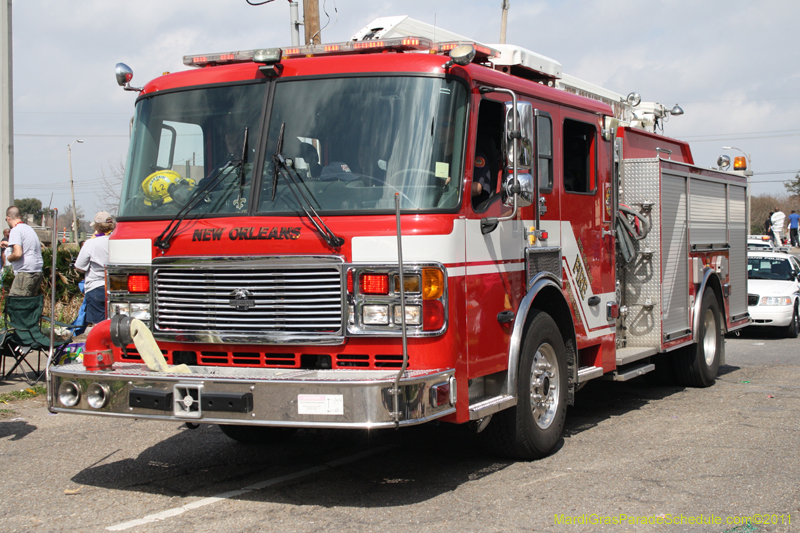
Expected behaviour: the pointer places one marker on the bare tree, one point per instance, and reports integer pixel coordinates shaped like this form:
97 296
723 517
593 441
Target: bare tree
111 186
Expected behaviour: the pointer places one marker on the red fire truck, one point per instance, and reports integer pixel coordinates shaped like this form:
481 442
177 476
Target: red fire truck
393 230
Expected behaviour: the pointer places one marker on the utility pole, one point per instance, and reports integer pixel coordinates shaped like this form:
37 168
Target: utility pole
6 109
311 21
294 21
72 188
504 21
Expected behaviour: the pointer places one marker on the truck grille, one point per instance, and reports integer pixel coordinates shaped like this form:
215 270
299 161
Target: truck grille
249 302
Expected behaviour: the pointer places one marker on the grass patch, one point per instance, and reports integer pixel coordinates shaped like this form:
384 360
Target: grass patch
24 394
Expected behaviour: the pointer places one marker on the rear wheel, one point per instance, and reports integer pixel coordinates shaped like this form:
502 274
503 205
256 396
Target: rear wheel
791 331
697 365
257 434
533 428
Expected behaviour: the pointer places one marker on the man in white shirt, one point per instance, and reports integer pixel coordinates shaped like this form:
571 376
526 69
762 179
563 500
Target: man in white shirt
777 218
92 260
25 257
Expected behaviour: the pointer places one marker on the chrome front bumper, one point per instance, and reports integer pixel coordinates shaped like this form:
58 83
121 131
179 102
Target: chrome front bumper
267 397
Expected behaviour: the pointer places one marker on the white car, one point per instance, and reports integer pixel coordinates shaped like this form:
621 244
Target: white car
760 243
763 243
773 291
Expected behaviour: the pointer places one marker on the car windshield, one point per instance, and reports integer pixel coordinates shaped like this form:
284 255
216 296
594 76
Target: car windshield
352 143
182 140
769 268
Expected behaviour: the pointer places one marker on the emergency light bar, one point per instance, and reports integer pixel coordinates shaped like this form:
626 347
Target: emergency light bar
482 52
224 58
273 55
405 44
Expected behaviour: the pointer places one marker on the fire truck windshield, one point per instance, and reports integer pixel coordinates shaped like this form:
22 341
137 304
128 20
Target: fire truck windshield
351 144
354 142
183 140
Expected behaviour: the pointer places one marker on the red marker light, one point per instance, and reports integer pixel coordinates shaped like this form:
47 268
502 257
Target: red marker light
432 315
139 283
374 283
349 282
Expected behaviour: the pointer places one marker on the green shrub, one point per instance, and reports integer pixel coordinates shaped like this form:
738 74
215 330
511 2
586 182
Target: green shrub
68 295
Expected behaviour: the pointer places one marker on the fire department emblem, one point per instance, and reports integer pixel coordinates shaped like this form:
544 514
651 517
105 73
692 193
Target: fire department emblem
240 299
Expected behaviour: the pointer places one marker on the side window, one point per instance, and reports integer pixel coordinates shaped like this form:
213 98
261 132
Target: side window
544 147
181 149
579 157
489 160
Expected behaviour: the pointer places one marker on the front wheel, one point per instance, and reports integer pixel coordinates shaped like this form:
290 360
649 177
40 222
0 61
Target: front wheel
697 365
533 428
791 331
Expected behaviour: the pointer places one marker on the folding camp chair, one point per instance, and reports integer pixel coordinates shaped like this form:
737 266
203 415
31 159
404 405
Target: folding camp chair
23 335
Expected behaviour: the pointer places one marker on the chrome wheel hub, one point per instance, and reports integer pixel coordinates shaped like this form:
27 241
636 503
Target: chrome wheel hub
710 339
545 393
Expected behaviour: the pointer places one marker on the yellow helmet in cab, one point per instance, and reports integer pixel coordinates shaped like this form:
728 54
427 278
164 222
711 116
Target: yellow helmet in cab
157 186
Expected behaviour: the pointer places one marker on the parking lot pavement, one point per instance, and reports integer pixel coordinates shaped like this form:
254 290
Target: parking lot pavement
732 450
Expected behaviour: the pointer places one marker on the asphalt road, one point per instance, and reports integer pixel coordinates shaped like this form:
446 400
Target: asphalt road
630 450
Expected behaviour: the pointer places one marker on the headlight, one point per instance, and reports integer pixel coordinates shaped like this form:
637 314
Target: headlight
119 308
413 315
776 300
140 311
375 314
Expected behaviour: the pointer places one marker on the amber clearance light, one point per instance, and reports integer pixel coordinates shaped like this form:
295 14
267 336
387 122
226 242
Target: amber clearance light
432 283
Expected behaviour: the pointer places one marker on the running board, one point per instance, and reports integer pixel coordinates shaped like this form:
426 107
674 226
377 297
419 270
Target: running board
490 406
589 372
624 374
629 355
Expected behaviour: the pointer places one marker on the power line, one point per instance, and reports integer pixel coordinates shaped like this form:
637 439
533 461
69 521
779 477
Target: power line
69 113
776 172
741 133
726 139
70 135
741 100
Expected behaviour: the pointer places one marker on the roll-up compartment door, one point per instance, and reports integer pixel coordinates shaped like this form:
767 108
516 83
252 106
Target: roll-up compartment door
675 256
708 213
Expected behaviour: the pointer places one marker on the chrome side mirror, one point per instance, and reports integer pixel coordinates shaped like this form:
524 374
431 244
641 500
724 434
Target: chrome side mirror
525 196
124 76
525 118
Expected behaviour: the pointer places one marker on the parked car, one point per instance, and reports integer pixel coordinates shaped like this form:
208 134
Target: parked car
773 290
760 243
764 243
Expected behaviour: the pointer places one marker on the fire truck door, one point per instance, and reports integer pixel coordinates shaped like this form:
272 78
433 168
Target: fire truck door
587 248
495 273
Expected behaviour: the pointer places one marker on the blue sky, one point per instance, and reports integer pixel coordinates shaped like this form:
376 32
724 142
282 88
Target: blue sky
732 65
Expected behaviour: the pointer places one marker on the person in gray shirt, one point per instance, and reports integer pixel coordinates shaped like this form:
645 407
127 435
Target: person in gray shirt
25 257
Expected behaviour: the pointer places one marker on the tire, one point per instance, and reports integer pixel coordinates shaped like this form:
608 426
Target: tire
697 365
533 428
257 434
791 331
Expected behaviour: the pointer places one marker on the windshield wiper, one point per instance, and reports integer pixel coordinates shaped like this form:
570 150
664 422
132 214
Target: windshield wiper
163 240
277 153
280 165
